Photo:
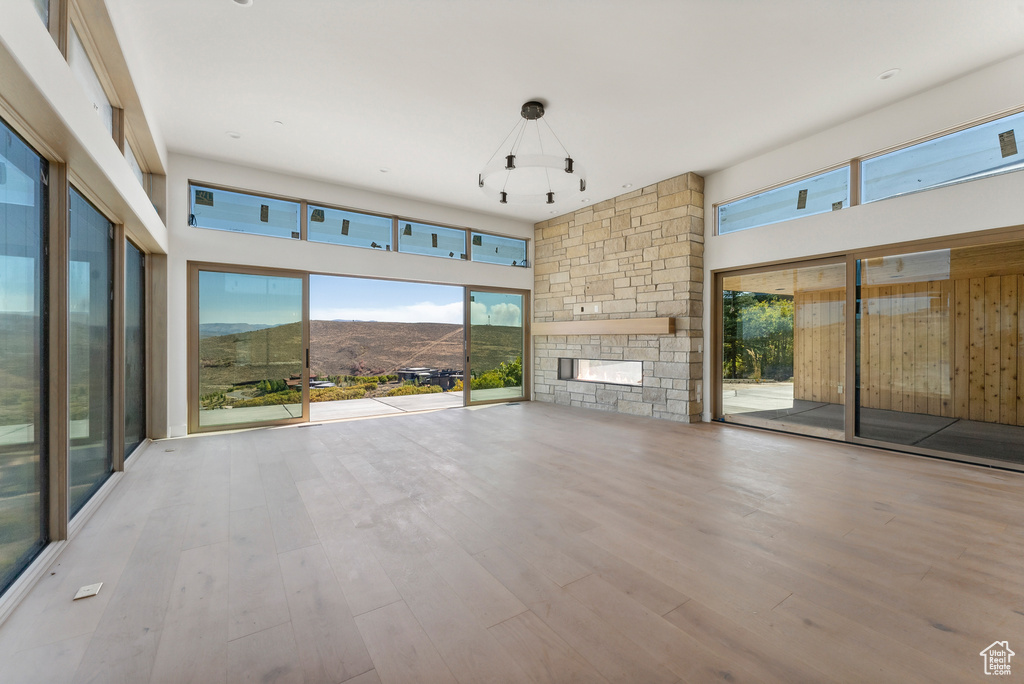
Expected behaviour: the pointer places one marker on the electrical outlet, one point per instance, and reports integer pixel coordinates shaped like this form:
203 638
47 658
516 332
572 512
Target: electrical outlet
87 591
590 308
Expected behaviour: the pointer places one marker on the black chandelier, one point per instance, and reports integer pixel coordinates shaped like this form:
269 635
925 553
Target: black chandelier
536 167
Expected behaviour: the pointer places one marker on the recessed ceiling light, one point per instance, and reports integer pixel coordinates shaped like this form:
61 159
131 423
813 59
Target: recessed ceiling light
243 3
233 134
886 75
384 169
627 185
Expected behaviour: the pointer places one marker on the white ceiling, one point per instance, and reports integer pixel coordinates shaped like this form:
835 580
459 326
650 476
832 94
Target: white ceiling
638 90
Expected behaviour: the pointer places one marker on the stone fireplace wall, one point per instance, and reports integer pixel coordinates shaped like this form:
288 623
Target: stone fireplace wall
639 255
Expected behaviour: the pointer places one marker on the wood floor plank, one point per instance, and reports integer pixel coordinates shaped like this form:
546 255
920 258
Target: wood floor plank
320 501
643 588
264 657
209 519
126 639
545 656
470 652
489 600
666 643
194 640
289 519
615 656
365 678
748 648
256 598
53 663
329 645
401 651
246 486
843 646
365 584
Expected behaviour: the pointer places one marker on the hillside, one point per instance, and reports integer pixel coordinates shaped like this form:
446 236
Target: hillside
348 348
373 348
246 357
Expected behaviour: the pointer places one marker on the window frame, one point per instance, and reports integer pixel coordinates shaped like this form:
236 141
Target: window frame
308 204
856 176
396 220
463 256
853 379
853 173
931 138
262 195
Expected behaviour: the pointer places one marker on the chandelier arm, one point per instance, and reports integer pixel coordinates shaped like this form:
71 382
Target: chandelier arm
564 148
519 138
503 142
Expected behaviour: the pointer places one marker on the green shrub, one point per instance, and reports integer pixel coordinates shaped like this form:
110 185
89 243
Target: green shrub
214 400
408 390
511 372
489 380
336 393
272 399
457 387
362 379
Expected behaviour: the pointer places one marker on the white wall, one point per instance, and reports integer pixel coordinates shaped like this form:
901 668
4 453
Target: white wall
198 244
979 205
46 99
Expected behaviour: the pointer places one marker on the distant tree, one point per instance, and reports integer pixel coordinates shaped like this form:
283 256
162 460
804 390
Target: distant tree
733 302
489 380
511 372
767 334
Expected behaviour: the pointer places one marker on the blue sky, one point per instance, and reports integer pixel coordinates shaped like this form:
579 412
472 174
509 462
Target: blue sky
237 298
234 298
362 299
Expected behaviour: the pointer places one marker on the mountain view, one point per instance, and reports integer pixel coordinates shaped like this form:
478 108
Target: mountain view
361 348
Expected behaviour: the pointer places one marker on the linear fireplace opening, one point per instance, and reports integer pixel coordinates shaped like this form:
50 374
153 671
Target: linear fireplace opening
603 371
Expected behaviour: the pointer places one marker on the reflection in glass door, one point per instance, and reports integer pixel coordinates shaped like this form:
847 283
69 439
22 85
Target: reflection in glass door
783 351
250 343
90 349
497 346
941 366
134 348
23 334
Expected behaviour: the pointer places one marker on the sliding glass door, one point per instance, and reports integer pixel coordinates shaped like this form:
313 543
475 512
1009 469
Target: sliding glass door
783 348
270 346
496 344
23 388
134 348
250 342
941 350
90 349
936 340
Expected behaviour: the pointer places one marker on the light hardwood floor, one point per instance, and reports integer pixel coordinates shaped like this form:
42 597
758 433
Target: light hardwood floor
530 543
